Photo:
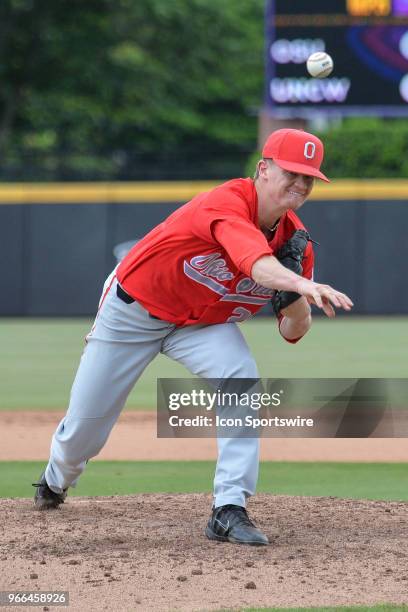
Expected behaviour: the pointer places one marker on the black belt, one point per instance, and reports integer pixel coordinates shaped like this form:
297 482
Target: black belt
122 295
125 297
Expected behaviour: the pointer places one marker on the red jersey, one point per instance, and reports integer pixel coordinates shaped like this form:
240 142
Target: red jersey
195 267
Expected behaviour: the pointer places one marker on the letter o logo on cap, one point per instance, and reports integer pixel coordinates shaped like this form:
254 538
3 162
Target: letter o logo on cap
309 150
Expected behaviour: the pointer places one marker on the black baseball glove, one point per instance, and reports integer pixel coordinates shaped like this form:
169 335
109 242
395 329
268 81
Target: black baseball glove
291 256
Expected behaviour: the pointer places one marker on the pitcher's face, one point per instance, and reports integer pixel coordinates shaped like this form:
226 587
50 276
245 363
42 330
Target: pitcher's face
283 189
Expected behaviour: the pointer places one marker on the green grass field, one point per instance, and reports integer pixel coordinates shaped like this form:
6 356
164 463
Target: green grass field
39 357
352 480
38 362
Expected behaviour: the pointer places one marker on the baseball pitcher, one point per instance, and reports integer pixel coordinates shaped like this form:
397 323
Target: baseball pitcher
181 291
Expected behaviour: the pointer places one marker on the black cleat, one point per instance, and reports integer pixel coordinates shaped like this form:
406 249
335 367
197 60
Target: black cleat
44 498
231 524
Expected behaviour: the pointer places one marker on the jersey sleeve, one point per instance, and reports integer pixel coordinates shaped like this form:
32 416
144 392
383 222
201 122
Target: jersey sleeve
243 242
228 222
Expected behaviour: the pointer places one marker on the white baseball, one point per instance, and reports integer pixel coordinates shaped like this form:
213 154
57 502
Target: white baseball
319 65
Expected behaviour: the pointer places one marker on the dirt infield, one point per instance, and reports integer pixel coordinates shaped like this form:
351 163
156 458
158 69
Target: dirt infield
27 436
148 552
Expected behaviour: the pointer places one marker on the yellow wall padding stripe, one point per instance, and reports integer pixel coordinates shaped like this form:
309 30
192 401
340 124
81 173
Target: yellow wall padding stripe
93 193
158 192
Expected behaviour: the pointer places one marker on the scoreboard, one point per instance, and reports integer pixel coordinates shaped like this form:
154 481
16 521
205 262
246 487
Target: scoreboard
368 41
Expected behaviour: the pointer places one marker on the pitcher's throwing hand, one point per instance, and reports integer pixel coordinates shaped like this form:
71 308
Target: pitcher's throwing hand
324 296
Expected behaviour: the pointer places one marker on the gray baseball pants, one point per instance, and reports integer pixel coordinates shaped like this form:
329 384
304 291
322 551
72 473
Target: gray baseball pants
123 341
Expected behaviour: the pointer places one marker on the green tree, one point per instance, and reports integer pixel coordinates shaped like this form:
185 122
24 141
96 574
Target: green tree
90 81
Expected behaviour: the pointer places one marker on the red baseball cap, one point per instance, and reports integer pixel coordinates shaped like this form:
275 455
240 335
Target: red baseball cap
296 151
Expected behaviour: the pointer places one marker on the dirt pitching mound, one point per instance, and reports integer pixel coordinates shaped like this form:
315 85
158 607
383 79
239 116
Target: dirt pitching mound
148 552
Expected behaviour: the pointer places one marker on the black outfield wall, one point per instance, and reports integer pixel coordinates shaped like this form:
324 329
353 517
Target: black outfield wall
55 256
